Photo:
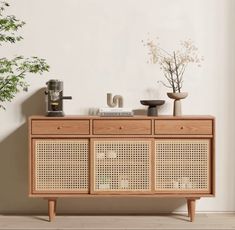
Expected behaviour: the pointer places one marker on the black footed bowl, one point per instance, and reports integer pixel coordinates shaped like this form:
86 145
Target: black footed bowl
152 106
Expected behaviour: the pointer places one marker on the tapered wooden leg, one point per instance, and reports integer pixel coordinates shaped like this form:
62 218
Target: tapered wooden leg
51 209
188 205
55 206
191 202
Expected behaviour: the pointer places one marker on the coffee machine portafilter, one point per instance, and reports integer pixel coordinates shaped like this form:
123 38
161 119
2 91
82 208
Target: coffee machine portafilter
54 98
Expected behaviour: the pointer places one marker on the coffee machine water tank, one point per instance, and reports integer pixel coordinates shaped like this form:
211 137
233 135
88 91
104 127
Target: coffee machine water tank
54 98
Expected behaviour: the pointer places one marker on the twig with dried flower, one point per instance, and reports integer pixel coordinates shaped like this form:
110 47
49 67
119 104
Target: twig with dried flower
174 64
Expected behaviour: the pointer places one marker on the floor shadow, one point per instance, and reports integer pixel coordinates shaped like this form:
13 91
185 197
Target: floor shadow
45 219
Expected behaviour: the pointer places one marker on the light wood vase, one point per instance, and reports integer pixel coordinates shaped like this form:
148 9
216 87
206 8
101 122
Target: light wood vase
177 111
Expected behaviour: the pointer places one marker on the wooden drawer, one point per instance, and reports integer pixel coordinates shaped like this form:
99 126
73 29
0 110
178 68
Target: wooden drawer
203 127
60 127
126 127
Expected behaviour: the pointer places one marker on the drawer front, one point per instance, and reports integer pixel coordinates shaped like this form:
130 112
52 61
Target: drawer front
60 127
203 127
126 127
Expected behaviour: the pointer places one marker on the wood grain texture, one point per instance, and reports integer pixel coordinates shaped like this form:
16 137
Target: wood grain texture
191 203
117 195
142 117
30 163
126 127
179 127
213 159
114 128
56 127
51 209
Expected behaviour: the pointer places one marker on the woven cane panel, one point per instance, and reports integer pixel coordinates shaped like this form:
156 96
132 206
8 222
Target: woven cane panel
61 165
122 165
182 165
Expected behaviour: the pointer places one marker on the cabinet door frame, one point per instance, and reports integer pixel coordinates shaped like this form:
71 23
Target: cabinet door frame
32 179
92 166
208 191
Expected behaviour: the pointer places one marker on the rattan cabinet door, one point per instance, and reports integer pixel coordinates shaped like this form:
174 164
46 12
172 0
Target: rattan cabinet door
121 166
60 166
182 166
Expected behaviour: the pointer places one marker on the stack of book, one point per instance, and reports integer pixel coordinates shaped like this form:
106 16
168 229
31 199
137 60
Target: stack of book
116 112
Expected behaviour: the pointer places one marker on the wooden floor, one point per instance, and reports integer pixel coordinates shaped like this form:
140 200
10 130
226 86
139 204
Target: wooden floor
176 221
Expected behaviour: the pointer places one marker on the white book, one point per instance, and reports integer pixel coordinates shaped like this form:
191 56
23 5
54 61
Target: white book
106 109
116 112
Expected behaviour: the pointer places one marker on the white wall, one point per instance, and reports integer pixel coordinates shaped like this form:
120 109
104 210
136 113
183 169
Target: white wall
95 47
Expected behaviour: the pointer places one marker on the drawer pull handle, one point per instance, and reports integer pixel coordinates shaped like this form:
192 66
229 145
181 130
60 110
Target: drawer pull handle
121 127
59 127
182 127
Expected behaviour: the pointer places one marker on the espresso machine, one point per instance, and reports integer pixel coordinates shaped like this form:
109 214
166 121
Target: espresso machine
54 98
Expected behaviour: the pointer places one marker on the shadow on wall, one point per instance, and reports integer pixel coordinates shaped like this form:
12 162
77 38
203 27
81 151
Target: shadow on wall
14 160
34 105
14 180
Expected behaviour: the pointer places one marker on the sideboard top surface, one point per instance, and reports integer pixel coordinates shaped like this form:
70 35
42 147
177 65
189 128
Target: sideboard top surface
161 117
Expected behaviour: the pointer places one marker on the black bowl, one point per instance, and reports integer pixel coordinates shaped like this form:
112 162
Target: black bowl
152 106
152 102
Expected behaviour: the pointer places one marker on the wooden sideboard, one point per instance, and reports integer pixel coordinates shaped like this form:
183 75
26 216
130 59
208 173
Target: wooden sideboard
91 156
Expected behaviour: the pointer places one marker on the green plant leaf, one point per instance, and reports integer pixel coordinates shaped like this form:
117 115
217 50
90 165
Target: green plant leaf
13 71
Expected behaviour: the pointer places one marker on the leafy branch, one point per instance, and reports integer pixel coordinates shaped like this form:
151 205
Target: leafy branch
14 71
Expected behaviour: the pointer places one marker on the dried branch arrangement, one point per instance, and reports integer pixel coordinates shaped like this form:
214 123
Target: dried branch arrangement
173 64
